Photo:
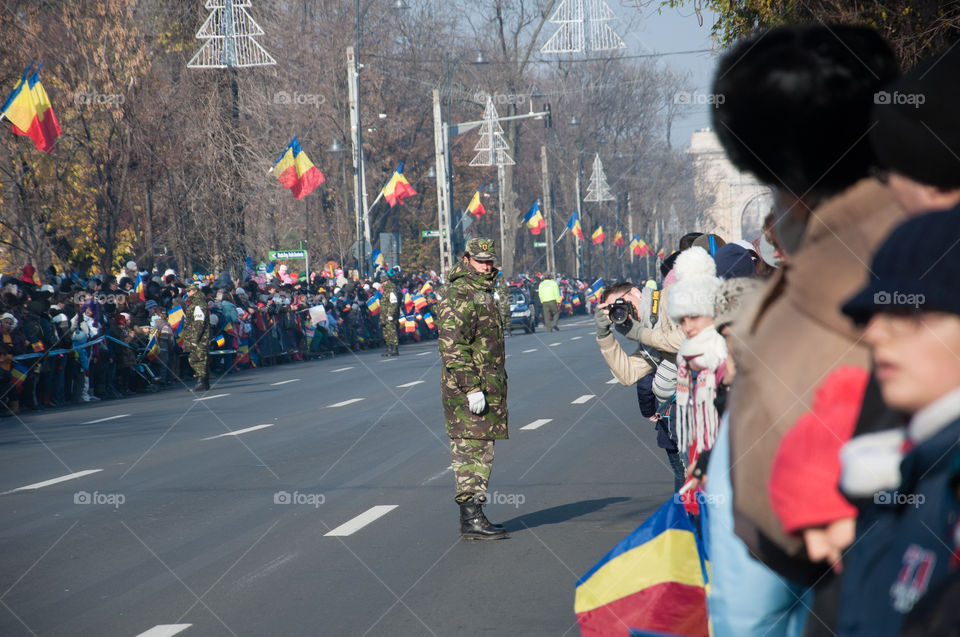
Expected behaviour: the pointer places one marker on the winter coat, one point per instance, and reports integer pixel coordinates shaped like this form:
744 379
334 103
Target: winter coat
792 336
472 354
908 542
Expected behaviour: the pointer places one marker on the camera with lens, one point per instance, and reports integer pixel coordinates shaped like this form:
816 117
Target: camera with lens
621 311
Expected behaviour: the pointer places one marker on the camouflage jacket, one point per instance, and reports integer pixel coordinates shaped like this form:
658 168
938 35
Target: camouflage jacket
388 307
472 354
504 297
196 320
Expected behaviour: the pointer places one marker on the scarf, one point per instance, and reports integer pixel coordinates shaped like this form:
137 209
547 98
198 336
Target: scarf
697 418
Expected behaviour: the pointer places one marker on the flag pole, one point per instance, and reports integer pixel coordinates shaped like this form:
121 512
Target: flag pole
561 235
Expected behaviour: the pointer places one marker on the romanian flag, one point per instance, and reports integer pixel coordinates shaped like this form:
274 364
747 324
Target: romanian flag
378 258
574 226
220 341
141 287
18 374
153 347
534 219
175 319
426 288
408 302
228 327
576 300
28 109
653 581
428 319
373 304
410 326
634 243
618 239
398 188
645 249
593 294
475 206
37 347
418 301
597 236
295 171
661 254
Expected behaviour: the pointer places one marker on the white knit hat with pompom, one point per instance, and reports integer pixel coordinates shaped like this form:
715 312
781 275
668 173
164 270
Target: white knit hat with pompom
695 291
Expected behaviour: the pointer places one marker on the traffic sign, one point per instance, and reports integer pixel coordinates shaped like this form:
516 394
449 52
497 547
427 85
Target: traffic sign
277 255
426 234
539 244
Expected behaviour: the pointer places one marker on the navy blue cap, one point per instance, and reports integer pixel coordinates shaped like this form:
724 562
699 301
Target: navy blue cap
916 269
733 261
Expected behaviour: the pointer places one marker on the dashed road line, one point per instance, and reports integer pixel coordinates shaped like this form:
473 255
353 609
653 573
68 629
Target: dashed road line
424 353
352 526
536 424
576 338
410 384
344 403
209 397
47 483
582 399
342 369
165 630
554 344
527 351
237 432
284 382
93 422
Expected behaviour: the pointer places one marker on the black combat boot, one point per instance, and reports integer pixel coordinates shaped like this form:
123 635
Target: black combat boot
388 351
395 351
474 525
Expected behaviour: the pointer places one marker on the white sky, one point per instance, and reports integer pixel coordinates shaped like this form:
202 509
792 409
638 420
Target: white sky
674 30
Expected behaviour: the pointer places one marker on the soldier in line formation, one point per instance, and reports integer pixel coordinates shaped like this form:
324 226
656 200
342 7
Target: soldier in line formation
196 335
389 304
473 381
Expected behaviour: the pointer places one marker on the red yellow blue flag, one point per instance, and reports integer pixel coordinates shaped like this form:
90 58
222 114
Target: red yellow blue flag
597 236
295 171
18 374
574 226
654 581
475 207
398 188
534 219
29 110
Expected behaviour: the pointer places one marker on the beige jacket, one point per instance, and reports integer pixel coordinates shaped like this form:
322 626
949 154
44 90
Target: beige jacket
787 342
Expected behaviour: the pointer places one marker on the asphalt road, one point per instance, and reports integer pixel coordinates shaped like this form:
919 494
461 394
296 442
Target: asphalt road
316 498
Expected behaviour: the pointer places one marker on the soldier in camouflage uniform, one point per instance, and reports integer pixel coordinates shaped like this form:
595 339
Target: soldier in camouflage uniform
473 381
389 302
503 297
196 335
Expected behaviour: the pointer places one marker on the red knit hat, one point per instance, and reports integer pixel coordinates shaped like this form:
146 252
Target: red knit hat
805 473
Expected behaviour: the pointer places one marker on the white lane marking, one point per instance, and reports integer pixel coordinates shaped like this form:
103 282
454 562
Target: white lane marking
388 360
612 381
237 432
210 397
342 369
424 353
509 355
346 402
284 382
93 422
411 384
527 351
47 483
582 399
536 424
437 476
554 344
352 526
576 338
165 630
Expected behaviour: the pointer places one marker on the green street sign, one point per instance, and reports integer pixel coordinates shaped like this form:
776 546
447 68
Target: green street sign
539 244
277 255
427 234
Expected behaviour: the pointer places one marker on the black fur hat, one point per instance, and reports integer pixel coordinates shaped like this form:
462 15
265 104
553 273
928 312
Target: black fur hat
793 104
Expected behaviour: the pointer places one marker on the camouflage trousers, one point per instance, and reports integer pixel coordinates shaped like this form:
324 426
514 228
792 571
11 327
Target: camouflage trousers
198 360
389 329
472 460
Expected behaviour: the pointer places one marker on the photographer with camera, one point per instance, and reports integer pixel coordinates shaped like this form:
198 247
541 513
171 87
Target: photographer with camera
637 315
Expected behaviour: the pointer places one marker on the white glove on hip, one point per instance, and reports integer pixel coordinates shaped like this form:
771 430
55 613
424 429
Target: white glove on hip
477 402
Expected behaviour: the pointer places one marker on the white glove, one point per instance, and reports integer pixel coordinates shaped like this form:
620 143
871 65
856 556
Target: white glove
477 402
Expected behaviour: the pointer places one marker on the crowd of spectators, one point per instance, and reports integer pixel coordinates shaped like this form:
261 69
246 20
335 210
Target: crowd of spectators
71 339
810 388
